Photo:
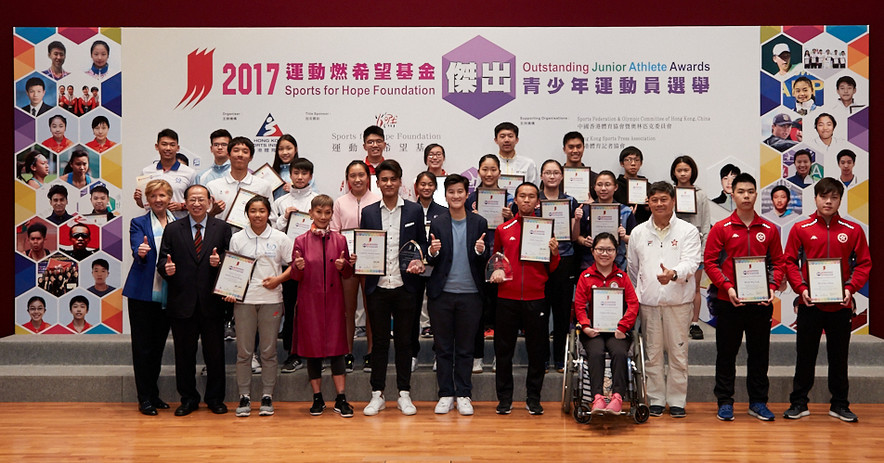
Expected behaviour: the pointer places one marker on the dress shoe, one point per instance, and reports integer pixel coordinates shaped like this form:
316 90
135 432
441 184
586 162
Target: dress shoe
159 404
147 408
218 408
186 408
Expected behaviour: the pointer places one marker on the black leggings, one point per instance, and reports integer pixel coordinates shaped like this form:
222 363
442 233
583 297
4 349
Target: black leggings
314 366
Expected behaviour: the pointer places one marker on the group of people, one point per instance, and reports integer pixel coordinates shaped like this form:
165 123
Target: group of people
78 105
655 256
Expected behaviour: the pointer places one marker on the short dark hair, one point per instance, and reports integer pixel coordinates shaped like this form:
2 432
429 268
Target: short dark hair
430 147
78 153
803 151
167 133
98 120
372 130
57 190
828 185
36 298
609 174
744 177
831 118
58 116
506 126
492 157
301 164
94 89
784 189
846 152
79 224
536 188
78 298
37 227
99 42
241 141
454 179
391 165
845 80
605 236
219 133
572 135
427 174
197 185
809 83
687 160
33 82
182 158
728 169
661 187
99 188
56 45
630 150
357 163
101 263
255 199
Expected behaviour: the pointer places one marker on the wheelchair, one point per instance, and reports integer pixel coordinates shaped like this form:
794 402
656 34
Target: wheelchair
576 395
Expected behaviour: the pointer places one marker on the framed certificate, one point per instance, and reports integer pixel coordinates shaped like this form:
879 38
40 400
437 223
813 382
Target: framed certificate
489 204
637 189
350 236
577 183
536 233
236 210
439 194
685 200
560 211
825 281
141 183
510 182
234 274
371 252
604 218
607 308
299 223
269 175
97 219
750 279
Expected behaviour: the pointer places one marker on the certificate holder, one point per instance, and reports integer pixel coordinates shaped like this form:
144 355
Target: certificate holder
685 200
577 182
826 284
607 308
510 182
270 176
489 204
751 279
560 211
638 191
298 224
604 218
350 235
236 210
370 247
234 275
536 233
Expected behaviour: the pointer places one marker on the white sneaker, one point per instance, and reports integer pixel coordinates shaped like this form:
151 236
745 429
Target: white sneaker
465 406
478 366
445 405
376 404
404 403
256 365
413 364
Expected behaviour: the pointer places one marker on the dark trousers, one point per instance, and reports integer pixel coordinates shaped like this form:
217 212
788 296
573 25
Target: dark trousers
455 317
186 332
595 354
416 323
559 298
383 304
489 307
149 329
811 324
289 299
754 320
534 319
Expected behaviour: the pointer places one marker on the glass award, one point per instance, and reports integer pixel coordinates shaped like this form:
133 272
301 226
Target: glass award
499 264
408 253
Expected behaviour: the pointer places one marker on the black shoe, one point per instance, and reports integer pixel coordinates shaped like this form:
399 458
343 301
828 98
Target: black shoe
229 332
344 408
349 360
186 408
366 363
796 411
677 412
218 408
843 413
696 332
147 408
292 363
534 407
159 404
656 410
504 408
427 332
318 405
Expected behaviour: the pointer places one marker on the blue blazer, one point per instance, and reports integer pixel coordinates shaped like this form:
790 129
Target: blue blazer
441 229
411 227
434 211
139 283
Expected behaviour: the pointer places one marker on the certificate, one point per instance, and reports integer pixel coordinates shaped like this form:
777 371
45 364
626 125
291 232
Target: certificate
439 194
371 252
826 283
350 236
97 219
236 211
234 274
269 175
577 183
560 211
536 233
685 200
299 223
604 218
489 204
141 183
510 183
751 280
607 308
637 190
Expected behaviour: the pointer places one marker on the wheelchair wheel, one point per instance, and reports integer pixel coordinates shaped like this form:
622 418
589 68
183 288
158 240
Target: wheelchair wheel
582 414
641 413
568 376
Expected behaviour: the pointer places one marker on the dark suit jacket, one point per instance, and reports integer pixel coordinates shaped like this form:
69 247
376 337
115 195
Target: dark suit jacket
194 278
411 227
434 211
441 229
139 283
44 108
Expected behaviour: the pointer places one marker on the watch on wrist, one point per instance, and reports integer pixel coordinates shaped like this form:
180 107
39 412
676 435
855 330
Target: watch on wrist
674 275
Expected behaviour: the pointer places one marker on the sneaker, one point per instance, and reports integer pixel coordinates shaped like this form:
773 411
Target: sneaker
759 410
677 412
359 332
344 408
413 364
478 367
256 365
366 363
843 413
796 411
266 406
244 408
696 332
534 407
504 408
203 372
291 364
318 405
445 405
404 403
489 333
427 332
349 360
465 406
598 404
376 404
656 410
560 367
616 404
229 332
726 412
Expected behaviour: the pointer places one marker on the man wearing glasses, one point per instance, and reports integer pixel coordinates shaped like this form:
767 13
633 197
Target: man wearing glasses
631 159
80 236
219 140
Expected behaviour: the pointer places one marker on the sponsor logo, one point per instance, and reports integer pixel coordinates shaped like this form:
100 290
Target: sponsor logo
199 77
386 120
269 128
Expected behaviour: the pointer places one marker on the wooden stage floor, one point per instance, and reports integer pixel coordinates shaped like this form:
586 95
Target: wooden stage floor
45 432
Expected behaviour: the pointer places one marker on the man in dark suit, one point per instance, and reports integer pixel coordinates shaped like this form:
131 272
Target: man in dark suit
459 247
393 294
188 260
35 88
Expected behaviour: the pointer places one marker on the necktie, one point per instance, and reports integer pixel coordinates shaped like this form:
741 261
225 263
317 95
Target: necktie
198 239
33 111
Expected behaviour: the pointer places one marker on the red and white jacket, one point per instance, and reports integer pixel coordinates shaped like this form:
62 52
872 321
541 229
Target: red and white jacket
529 278
592 278
814 239
731 238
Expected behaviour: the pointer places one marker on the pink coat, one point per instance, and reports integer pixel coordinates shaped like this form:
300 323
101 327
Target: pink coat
320 327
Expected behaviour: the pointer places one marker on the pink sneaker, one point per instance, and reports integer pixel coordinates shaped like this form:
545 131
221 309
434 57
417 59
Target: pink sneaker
616 404
599 405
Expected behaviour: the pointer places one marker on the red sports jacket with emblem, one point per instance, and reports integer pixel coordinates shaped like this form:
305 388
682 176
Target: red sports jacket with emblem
591 278
529 278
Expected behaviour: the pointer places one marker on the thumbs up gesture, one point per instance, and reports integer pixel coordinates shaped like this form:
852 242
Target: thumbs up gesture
435 245
214 258
143 248
480 244
666 276
339 262
299 261
170 266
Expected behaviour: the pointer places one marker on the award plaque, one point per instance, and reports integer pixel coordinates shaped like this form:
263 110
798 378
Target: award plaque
501 265
750 275
270 176
826 284
536 233
604 218
577 183
560 211
510 183
408 253
370 247
234 274
489 204
298 224
236 210
637 190
685 200
350 236
608 306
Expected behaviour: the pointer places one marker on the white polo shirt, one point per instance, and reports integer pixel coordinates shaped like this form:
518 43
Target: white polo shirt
272 249
677 247
226 187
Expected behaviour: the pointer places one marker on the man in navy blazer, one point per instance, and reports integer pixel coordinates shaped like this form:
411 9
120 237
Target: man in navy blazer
393 294
194 311
458 251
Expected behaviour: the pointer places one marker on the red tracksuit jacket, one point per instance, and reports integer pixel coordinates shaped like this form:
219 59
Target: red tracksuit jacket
591 278
529 278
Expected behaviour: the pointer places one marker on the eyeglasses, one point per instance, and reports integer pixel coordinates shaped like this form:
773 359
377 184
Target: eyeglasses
435 155
77 236
632 159
605 250
551 173
375 142
219 145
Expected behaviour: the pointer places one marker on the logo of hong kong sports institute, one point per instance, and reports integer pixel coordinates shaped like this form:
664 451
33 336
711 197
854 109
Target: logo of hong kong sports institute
480 77
199 77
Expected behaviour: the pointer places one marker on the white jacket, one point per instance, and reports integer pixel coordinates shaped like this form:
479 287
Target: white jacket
679 250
